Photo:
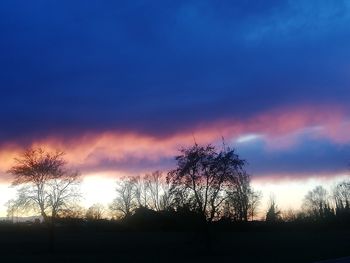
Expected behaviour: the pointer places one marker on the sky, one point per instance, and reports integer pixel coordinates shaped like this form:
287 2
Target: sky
121 86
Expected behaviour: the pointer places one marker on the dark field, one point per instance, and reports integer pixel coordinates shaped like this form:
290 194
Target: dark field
104 242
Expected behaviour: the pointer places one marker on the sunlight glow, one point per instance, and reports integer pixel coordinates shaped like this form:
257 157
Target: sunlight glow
98 189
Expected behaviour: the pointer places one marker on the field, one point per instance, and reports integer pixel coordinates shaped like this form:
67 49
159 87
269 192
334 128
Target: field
111 243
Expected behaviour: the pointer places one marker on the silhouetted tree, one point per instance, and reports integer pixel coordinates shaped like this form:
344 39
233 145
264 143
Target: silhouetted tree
254 199
316 202
157 191
289 215
201 176
167 199
95 212
153 189
125 202
273 213
76 212
341 195
239 192
141 191
45 184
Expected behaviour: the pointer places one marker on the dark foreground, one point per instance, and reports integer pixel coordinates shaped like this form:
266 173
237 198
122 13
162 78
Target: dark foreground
108 242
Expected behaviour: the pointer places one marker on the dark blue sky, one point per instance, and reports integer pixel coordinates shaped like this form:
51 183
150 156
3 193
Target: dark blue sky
72 67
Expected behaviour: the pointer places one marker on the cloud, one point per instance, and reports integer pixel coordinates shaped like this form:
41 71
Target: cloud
307 140
123 85
159 69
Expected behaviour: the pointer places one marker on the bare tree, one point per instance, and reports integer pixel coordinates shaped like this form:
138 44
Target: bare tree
155 191
201 175
289 215
125 202
316 202
341 195
167 198
153 183
76 212
238 193
45 184
141 191
254 199
193 174
95 212
63 193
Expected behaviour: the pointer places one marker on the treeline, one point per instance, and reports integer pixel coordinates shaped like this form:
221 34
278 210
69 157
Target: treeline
207 182
321 205
210 182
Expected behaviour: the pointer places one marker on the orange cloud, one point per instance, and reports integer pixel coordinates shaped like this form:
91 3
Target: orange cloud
279 128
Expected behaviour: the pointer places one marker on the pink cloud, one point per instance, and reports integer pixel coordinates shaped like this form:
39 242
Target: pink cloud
280 129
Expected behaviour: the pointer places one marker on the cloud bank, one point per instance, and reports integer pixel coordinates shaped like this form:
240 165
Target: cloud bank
122 85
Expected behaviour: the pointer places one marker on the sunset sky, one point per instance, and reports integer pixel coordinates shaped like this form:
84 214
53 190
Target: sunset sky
121 86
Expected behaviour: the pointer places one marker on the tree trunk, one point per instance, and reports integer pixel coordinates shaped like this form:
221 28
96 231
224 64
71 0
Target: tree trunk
45 217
